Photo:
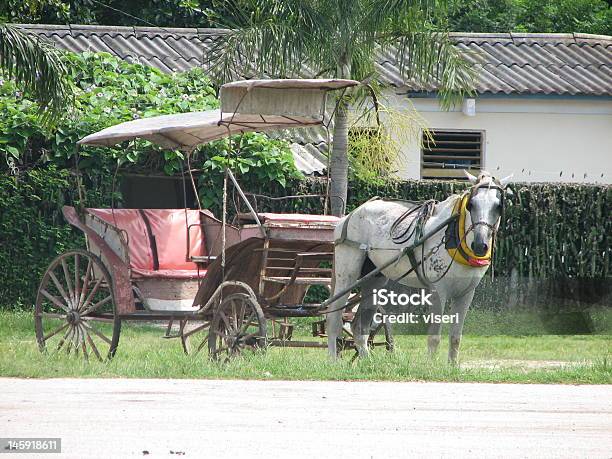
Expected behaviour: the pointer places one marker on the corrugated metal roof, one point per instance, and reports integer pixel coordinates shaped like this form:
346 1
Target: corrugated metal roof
508 63
505 63
512 63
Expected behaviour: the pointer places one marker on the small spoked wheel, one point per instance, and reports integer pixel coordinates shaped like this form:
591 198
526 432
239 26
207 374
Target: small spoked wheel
75 308
238 325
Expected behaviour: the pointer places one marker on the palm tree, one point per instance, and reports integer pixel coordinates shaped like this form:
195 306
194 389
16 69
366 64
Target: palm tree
340 39
36 66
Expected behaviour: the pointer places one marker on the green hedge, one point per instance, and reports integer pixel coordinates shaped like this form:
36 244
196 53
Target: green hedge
548 229
553 249
32 227
555 239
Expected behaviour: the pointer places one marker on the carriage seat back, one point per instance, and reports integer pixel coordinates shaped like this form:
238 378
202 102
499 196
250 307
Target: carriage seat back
157 239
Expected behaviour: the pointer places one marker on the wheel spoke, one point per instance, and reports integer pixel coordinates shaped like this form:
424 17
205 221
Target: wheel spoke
91 294
251 335
52 315
85 285
247 323
202 344
77 293
77 339
234 317
221 335
63 340
97 333
195 330
67 278
59 287
83 334
226 321
243 309
70 340
222 349
94 348
97 305
56 331
54 300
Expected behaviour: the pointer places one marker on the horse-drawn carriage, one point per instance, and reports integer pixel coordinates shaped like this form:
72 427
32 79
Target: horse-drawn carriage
231 286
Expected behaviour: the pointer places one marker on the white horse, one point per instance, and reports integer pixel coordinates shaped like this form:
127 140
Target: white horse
371 232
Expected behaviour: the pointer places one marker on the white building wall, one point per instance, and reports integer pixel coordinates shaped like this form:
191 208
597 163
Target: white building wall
537 139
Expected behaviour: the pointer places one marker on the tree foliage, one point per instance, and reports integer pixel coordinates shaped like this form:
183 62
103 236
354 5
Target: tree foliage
544 16
108 91
161 13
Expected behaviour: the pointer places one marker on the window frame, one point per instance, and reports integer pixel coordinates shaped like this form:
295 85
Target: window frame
483 149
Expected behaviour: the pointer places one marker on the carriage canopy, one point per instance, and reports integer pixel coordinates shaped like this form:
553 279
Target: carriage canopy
246 106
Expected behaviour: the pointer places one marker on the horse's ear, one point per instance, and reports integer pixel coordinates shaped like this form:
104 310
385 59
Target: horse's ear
470 177
503 182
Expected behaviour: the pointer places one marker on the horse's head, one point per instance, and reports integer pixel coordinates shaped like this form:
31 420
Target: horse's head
485 205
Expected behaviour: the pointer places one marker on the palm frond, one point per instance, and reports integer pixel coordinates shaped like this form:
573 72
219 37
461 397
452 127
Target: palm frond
273 38
430 61
37 67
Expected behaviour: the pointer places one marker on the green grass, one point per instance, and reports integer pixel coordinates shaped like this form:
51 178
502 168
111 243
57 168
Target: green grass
143 353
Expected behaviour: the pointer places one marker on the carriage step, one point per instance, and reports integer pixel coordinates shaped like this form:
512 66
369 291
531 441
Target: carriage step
299 280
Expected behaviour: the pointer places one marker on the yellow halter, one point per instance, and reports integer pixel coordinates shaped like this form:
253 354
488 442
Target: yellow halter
464 254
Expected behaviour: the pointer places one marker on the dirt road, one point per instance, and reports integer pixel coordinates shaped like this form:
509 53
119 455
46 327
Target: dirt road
233 419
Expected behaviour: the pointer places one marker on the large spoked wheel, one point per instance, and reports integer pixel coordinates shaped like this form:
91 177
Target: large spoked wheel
238 325
75 308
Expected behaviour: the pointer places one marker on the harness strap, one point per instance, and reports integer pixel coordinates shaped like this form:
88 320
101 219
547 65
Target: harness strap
414 265
344 232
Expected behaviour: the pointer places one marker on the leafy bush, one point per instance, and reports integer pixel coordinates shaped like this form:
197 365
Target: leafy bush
108 91
258 161
32 228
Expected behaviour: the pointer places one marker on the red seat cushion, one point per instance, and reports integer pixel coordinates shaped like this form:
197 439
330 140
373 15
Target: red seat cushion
169 228
130 220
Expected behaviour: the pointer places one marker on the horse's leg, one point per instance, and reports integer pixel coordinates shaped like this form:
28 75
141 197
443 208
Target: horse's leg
460 307
365 313
434 330
347 270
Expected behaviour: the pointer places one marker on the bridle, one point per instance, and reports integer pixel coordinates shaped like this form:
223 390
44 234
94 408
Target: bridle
469 195
491 185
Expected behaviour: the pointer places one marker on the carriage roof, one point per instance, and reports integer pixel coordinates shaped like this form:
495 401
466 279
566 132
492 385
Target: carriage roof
246 106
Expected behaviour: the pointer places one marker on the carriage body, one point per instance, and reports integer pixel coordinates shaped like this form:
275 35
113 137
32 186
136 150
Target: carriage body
172 259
